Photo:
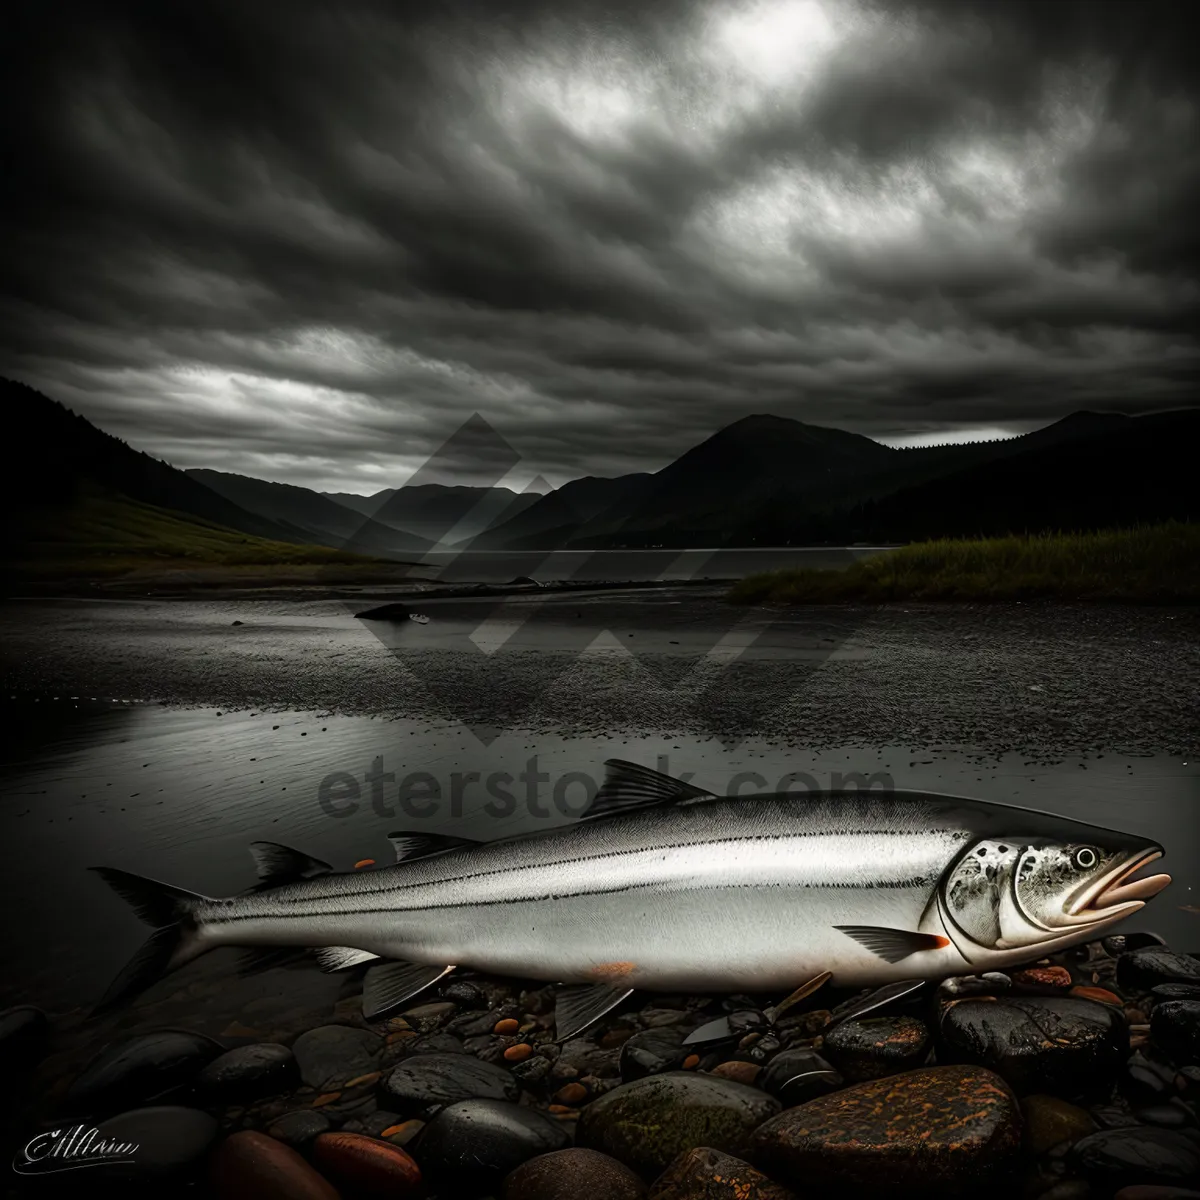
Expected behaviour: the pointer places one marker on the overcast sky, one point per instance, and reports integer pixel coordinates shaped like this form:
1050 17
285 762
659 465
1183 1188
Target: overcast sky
308 241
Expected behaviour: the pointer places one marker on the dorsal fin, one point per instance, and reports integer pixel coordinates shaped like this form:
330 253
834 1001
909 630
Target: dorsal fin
628 785
276 864
421 845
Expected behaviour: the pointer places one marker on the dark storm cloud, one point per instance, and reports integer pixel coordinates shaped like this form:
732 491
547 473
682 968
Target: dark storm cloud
309 241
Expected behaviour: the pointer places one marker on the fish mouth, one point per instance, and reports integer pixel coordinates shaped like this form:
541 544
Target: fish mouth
1120 892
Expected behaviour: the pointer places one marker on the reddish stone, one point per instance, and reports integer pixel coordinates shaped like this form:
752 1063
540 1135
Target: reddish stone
506 1027
934 1131
739 1072
252 1166
1043 979
519 1052
706 1174
366 1164
1098 994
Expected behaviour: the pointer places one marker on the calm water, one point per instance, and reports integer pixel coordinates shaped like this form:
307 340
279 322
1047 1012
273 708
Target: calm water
500 566
178 794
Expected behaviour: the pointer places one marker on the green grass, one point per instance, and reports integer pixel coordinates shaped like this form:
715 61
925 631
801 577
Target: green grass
107 536
1159 563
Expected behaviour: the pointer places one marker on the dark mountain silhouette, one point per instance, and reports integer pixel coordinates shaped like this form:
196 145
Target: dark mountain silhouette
62 459
320 519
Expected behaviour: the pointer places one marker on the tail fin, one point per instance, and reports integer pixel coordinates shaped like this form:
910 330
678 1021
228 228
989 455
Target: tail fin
170 910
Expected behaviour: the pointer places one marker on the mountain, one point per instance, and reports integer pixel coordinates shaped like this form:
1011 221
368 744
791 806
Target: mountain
1079 474
61 459
320 519
435 511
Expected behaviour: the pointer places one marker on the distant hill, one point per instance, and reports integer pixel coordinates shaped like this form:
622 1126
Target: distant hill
322 520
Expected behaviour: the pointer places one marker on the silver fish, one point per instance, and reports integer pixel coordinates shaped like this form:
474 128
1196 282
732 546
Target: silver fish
666 887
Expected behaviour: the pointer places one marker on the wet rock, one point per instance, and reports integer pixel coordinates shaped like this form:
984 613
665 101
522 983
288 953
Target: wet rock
425 1082
469 1147
1144 1081
937 1131
133 1072
1042 979
251 1166
1115 1157
652 1052
298 1129
438 1042
425 1018
170 1141
573 1174
1141 970
366 1166
464 994
707 1174
647 1123
1175 1029
1167 1116
1060 1045
1175 991
990 983
797 1076
872 1047
24 1032
738 1072
249 1072
1156 1191
330 1054
1050 1122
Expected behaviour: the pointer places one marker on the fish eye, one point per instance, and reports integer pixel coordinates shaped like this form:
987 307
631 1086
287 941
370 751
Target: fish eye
1085 858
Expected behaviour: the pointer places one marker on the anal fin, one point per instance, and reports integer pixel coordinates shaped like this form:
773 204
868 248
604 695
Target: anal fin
578 1006
267 958
389 985
892 944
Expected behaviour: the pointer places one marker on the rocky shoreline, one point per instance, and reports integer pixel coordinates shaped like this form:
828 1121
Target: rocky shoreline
1077 1078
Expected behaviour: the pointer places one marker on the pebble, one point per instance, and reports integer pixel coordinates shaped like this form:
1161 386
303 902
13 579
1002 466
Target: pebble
1141 970
1054 1044
738 1072
573 1174
571 1093
133 1072
1116 1157
647 1123
797 1076
507 1027
1098 994
463 993
470 1146
1050 1122
652 1052
936 1131
1175 1030
872 1047
249 1072
298 1129
330 1054
421 1084
366 1166
1042 979
1175 991
518 1053
170 1140
707 1174
251 1166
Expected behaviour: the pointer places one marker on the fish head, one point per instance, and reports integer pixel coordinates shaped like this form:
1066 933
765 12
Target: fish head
1009 893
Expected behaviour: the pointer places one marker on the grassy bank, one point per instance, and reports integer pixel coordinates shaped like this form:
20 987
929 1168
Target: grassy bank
109 538
1159 563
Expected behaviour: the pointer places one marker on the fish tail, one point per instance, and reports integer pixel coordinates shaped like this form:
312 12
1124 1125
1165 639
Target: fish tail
171 911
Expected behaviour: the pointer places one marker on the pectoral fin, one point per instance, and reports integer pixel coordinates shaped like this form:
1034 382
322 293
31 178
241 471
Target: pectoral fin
341 958
578 1006
892 944
389 985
